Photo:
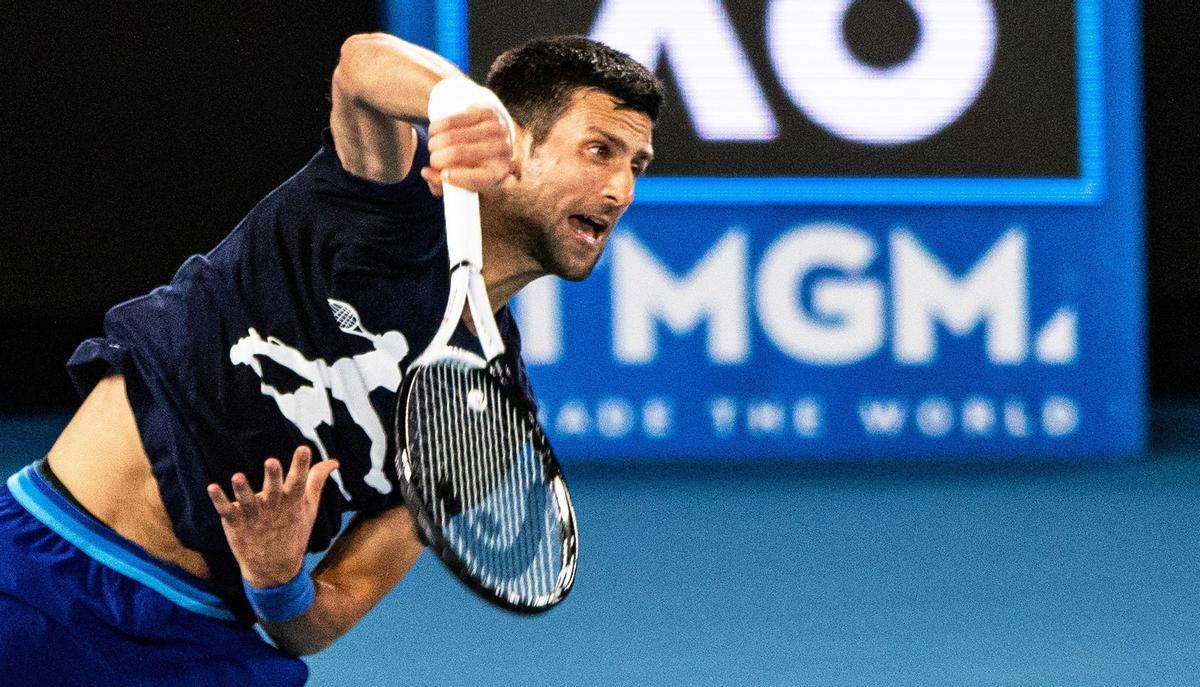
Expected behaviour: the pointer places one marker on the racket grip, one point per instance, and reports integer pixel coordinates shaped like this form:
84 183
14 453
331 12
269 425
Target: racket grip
450 97
463 233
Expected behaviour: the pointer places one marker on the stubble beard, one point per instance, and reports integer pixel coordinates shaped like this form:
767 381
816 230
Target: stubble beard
540 242
536 235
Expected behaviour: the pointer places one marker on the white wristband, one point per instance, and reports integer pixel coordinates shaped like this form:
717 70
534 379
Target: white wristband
458 94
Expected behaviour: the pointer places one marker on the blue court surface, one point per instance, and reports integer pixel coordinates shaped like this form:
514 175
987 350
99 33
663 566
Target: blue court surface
836 575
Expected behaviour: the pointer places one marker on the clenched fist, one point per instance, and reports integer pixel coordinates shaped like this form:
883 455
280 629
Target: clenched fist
472 150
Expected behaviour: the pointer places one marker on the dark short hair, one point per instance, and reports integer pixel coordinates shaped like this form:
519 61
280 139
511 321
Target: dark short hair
536 81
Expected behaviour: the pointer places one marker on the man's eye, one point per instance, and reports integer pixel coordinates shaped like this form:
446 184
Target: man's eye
598 149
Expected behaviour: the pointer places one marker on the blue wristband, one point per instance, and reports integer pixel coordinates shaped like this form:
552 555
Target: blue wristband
284 602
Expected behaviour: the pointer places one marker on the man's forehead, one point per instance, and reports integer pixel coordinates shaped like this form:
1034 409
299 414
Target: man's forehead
593 111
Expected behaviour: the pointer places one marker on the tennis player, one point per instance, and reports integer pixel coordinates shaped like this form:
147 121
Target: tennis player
175 510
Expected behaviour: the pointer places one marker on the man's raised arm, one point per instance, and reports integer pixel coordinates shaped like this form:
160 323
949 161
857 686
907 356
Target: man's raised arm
380 85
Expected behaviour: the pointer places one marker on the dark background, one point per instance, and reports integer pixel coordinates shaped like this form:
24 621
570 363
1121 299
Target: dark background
1000 135
134 135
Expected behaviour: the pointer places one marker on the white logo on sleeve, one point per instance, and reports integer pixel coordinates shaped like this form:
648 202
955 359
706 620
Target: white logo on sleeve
349 380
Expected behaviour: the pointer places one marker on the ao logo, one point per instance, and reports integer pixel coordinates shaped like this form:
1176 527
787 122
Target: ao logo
903 103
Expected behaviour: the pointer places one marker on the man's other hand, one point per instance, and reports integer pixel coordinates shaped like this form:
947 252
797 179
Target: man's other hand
268 532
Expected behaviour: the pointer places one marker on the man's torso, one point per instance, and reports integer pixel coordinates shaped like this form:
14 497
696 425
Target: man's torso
296 328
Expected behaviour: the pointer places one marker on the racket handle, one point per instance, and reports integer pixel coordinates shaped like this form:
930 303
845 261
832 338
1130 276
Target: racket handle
463 234
464 241
447 98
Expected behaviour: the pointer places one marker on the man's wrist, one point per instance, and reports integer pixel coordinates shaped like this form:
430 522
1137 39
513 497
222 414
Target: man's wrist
458 93
284 602
273 578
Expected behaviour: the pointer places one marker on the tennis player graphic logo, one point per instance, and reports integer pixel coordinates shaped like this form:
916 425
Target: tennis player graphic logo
349 380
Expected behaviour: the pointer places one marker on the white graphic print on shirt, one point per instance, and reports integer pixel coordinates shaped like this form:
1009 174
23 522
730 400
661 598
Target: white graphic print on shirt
349 380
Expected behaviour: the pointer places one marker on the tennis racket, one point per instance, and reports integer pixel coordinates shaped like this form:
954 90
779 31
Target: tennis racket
348 319
475 467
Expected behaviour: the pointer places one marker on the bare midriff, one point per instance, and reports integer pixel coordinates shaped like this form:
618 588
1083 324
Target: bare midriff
100 459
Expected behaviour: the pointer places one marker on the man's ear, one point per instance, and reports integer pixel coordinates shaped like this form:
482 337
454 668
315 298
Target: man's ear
522 146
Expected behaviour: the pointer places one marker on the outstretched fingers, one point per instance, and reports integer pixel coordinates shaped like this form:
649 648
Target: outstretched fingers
224 507
298 472
272 489
306 479
246 500
303 481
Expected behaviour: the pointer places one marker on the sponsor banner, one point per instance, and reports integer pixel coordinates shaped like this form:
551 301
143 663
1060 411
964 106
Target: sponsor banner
838 332
875 228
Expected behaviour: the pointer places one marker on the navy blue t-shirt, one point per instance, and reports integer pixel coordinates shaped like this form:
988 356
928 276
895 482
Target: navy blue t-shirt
241 356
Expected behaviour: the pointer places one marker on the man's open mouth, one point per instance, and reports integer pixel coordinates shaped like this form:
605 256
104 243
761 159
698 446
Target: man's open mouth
589 226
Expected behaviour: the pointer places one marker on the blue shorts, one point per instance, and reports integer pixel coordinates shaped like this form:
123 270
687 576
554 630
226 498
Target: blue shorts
80 605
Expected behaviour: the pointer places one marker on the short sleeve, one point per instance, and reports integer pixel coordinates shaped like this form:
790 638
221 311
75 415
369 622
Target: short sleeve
93 360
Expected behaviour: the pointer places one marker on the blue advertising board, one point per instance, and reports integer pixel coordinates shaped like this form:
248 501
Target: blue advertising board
923 241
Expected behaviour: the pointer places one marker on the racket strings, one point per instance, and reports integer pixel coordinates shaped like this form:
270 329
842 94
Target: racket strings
484 481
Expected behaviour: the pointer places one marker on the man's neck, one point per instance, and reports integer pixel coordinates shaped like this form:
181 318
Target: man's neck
502 276
507 267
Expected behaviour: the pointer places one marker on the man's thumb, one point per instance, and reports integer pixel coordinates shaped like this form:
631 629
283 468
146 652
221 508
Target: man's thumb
317 476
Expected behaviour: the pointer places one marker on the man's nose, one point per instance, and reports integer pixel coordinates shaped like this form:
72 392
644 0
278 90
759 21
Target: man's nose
619 188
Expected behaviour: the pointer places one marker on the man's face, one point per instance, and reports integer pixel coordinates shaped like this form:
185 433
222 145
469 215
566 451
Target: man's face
569 191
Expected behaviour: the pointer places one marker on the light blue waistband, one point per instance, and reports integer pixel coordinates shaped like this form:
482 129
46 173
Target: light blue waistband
108 548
